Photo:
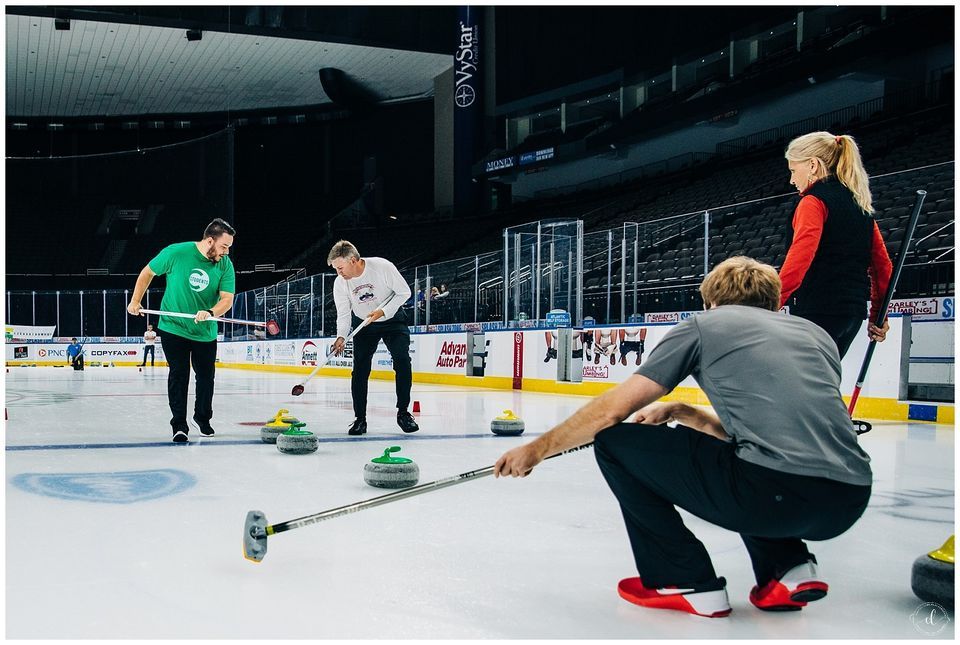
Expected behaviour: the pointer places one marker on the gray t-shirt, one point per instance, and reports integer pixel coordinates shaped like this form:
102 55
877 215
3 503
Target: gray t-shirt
774 381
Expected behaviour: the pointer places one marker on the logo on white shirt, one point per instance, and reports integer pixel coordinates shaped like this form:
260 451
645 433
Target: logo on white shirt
363 292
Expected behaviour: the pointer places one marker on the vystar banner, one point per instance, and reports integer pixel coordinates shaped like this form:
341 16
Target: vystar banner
467 106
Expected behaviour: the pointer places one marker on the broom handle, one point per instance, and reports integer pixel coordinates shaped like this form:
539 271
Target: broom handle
885 303
176 314
394 496
326 358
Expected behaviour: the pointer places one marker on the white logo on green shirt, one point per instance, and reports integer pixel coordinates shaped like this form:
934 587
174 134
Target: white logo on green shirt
199 280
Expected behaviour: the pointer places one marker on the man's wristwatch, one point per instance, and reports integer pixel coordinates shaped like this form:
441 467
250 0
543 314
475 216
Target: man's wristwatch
210 311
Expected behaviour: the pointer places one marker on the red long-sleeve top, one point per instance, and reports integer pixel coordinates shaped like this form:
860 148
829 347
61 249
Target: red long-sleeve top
808 221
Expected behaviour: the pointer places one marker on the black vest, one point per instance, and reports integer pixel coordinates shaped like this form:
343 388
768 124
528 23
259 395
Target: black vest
837 282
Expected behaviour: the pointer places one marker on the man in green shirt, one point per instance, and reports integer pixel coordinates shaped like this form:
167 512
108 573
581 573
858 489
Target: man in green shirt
200 281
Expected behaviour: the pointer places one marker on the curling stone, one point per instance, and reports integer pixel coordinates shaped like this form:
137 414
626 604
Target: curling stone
932 576
391 472
270 431
507 424
296 441
285 416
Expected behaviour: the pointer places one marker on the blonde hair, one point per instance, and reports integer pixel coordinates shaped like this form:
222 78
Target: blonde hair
840 156
742 281
342 249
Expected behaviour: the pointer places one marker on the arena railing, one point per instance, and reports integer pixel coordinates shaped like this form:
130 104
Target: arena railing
635 268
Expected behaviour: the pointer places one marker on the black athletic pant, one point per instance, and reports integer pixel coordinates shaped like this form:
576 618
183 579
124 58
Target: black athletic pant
842 329
77 362
147 349
396 336
654 469
181 353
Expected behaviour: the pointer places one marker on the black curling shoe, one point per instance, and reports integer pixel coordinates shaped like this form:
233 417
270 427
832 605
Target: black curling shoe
406 421
205 428
359 427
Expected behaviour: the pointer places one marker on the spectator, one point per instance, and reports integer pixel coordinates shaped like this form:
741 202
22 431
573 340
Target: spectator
75 355
149 338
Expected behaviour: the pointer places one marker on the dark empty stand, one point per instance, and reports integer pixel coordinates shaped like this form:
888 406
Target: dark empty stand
750 203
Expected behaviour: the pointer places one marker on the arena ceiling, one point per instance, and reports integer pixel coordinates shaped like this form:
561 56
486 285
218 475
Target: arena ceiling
103 69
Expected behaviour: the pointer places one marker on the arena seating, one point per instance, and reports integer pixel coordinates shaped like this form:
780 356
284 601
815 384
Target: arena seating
901 156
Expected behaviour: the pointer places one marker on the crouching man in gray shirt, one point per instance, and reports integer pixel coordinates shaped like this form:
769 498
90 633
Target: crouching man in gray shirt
778 463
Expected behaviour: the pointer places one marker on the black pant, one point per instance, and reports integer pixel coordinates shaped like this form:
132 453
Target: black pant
842 329
147 349
77 362
654 469
180 353
396 336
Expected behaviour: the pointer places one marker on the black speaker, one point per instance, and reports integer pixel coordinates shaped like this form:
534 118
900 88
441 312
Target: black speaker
347 92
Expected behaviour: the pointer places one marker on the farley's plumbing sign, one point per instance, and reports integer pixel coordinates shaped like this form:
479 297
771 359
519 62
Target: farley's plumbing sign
924 308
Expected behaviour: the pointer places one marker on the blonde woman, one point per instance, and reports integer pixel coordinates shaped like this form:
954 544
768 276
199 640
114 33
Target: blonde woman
836 259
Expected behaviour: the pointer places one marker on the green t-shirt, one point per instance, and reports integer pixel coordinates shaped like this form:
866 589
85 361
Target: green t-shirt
194 283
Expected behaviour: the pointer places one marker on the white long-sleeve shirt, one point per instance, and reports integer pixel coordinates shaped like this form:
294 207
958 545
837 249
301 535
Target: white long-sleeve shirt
364 294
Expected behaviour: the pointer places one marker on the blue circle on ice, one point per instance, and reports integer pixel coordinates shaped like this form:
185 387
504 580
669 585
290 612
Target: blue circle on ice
111 488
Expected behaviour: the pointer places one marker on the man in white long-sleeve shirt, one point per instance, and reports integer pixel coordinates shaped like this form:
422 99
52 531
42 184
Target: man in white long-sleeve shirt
361 286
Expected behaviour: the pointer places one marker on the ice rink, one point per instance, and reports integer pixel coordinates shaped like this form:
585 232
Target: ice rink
115 532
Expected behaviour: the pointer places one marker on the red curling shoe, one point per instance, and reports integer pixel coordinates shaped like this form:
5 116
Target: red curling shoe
792 591
709 600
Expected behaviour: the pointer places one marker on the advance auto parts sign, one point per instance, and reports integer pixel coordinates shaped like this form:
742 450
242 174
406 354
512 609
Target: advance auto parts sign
453 355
